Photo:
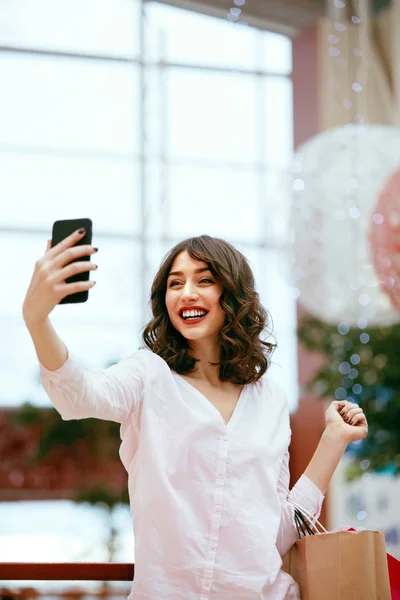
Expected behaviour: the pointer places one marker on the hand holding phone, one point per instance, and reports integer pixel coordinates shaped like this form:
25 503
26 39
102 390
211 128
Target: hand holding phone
61 230
62 275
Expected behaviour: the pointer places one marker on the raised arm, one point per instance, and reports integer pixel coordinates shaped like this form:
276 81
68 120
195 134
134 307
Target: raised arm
76 393
112 394
345 422
47 288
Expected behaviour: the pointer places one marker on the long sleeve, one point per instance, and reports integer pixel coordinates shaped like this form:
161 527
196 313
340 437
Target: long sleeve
110 394
306 494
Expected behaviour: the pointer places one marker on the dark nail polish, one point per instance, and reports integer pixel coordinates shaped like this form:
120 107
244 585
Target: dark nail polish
95 249
82 230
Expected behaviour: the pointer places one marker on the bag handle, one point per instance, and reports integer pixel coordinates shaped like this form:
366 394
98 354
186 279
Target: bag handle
313 519
301 524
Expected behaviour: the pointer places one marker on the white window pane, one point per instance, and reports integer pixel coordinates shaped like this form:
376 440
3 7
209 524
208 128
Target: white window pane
279 120
117 292
64 531
277 197
284 367
276 55
213 201
156 204
42 189
183 36
155 253
212 116
68 104
273 274
118 277
271 271
96 342
106 27
103 329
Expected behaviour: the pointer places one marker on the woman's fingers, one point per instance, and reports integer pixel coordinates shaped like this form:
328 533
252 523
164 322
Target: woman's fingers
359 418
73 269
46 287
65 289
354 421
349 411
70 254
67 242
346 407
352 414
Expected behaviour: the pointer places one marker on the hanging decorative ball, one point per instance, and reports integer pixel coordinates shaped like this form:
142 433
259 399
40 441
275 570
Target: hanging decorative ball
338 178
384 237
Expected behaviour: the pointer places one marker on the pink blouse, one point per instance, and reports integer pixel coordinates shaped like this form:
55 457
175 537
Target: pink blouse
209 506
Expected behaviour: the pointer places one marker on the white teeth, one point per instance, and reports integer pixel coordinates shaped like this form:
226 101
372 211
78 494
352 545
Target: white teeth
193 313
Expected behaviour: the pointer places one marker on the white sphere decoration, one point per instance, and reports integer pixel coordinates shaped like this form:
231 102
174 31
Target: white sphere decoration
337 178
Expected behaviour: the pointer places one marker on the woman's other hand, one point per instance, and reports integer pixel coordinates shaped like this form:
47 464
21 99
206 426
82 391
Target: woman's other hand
347 420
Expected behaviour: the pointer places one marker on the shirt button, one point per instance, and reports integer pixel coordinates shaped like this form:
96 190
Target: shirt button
220 473
218 508
207 584
213 546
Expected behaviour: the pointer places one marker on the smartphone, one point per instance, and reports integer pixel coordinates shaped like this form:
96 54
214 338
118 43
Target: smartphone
61 230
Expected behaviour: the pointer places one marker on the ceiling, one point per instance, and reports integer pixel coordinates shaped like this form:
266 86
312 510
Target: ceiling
283 16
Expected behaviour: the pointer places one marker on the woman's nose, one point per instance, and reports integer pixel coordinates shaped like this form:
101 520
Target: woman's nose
189 290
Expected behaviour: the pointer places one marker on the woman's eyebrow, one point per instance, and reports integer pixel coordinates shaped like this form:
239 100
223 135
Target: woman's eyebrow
196 271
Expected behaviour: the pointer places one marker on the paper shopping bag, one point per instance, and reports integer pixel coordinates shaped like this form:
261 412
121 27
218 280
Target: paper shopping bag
343 565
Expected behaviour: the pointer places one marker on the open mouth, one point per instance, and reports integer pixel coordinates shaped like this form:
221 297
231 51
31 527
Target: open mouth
193 318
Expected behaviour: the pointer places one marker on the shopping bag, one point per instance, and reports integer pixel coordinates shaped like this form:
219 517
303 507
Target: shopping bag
339 565
394 576
394 570
394 573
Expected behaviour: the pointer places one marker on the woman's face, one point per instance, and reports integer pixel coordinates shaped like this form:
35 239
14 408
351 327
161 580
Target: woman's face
194 293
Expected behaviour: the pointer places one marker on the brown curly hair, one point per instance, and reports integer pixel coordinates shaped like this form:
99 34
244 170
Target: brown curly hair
244 357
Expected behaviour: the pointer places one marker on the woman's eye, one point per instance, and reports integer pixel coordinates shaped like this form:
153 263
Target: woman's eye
204 280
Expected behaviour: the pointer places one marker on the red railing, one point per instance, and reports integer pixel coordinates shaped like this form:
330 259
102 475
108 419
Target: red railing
13 571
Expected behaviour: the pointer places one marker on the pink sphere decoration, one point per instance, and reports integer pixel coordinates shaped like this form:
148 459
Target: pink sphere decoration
384 237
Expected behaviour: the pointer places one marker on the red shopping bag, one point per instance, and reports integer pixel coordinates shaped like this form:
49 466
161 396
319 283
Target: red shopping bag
394 576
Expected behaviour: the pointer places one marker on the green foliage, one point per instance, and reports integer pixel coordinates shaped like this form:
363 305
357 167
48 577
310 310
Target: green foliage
364 370
102 495
95 436
26 415
101 437
378 5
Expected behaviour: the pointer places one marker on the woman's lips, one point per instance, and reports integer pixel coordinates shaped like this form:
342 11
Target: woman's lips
193 321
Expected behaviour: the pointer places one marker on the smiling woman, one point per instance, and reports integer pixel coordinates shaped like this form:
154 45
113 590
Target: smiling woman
83 152
210 275
204 429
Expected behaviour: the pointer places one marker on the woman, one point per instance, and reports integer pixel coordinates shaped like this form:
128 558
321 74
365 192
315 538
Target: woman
205 432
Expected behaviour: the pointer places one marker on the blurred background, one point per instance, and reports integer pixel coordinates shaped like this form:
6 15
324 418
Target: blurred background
272 124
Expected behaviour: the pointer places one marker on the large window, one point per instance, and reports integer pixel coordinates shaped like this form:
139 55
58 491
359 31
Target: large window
157 123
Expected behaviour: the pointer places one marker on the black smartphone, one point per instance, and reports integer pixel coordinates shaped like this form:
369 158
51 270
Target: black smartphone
61 230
